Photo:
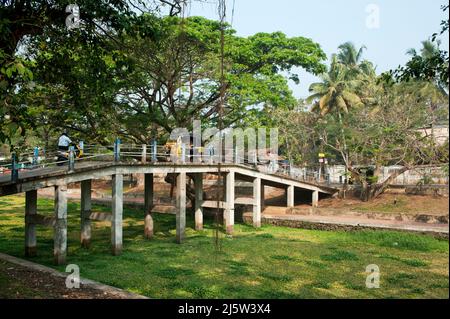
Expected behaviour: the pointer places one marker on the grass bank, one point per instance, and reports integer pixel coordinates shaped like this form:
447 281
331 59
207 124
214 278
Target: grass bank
271 262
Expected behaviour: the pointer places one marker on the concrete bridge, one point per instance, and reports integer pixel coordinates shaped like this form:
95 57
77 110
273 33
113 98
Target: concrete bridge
30 181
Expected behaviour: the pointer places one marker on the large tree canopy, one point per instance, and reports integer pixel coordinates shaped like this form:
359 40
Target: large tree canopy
177 77
162 73
26 25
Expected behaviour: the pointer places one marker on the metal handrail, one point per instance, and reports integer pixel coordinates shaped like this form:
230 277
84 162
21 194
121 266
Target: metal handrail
182 155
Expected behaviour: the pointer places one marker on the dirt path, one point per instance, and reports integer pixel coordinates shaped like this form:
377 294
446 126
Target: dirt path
21 279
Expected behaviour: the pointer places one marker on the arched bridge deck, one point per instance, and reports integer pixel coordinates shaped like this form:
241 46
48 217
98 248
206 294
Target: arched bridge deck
29 182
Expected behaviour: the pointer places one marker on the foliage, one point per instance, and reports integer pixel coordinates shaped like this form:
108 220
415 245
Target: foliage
43 22
177 78
346 83
431 65
298 139
425 180
336 93
138 75
366 124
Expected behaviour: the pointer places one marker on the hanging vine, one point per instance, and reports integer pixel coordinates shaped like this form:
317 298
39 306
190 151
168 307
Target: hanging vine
222 10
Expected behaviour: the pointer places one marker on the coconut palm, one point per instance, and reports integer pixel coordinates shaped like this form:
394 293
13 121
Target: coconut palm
428 52
336 92
351 57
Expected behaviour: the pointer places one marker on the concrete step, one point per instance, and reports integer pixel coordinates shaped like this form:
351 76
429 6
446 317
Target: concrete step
352 223
347 214
374 215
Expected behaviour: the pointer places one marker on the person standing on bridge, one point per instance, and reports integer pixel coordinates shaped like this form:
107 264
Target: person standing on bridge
64 141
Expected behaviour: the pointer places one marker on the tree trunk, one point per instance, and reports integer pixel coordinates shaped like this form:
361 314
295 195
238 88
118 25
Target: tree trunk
378 189
190 191
365 191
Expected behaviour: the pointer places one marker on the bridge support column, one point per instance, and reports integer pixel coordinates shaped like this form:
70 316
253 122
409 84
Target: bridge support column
181 207
315 199
60 225
30 228
257 202
148 194
290 196
198 184
117 214
263 196
230 198
86 210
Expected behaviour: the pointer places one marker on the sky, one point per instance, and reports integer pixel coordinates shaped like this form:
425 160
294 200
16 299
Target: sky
401 25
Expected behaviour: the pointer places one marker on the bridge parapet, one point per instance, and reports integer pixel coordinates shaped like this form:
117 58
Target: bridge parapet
74 159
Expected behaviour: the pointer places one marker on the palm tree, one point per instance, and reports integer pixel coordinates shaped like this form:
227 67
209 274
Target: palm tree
336 92
358 70
349 55
428 52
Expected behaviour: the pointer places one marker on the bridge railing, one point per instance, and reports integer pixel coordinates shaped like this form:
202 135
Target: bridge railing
150 153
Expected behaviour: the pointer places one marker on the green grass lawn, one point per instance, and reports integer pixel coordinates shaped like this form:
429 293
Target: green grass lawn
272 262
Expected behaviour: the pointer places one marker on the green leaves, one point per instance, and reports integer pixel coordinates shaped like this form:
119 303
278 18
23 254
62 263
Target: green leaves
339 90
432 64
177 75
141 76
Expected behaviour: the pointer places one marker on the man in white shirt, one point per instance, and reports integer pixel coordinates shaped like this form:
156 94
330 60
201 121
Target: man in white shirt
64 142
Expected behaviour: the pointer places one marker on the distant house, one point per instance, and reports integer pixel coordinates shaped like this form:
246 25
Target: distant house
438 132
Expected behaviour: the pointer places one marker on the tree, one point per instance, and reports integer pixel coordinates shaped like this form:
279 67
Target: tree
29 20
390 133
430 50
75 88
298 140
431 65
392 130
349 55
352 59
176 7
336 93
176 78
159 74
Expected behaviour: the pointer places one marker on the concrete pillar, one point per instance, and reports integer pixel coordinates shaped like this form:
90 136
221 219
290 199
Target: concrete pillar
290 196
315 199
257 203
30 228
263 196
117 214
86 210
230 197
198 184
144 154
60 226
148 194
181 207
